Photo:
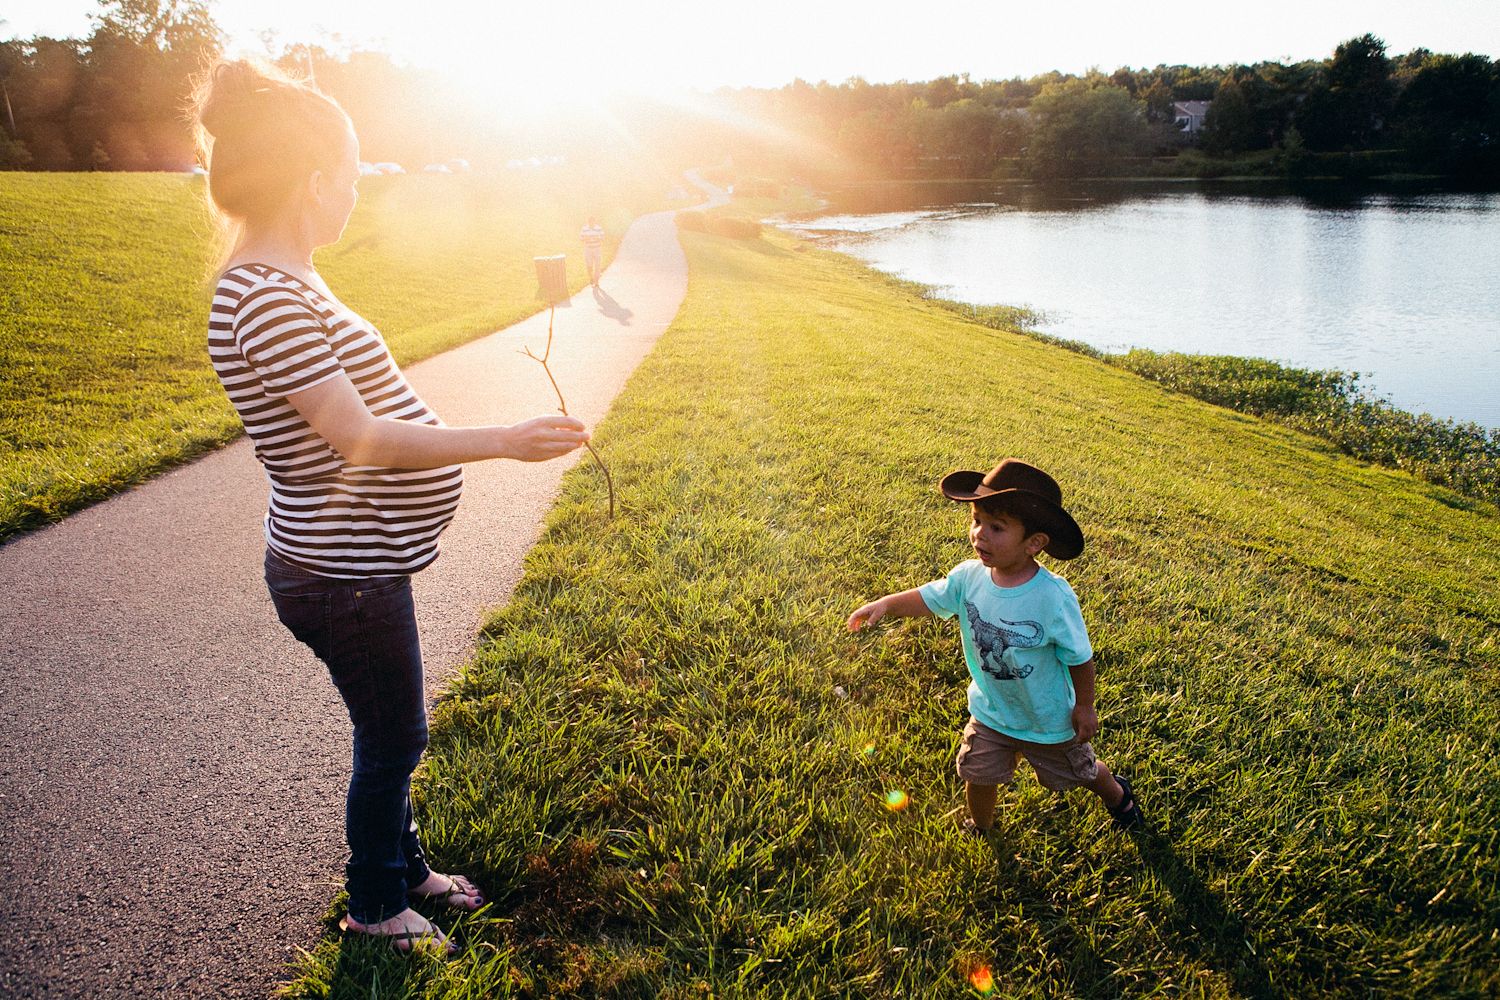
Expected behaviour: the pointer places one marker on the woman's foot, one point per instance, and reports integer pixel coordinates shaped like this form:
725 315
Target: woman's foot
454 891
407 931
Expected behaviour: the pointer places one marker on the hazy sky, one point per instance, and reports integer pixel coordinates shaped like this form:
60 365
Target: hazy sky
646 45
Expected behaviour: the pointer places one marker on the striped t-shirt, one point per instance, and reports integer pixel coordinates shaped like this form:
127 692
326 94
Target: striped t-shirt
592 236
269 335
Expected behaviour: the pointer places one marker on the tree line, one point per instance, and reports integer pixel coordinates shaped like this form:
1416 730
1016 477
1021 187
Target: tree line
1425 111
114 101
118 98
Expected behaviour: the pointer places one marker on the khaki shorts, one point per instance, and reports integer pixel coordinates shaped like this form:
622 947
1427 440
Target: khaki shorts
989 758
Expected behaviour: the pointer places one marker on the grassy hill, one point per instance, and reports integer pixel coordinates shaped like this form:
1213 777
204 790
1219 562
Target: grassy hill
649 769
103 305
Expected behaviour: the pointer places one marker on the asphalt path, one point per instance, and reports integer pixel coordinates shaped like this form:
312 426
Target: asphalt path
172 762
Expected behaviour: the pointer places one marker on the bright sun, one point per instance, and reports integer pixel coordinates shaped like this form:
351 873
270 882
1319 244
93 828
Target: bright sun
535 60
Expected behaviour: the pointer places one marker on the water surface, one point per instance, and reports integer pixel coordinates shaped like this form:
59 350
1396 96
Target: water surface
1402 286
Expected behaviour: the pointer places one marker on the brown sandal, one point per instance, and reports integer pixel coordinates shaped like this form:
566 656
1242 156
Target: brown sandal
461 894
407 942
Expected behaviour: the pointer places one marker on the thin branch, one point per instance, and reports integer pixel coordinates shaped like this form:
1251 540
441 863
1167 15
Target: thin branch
562 404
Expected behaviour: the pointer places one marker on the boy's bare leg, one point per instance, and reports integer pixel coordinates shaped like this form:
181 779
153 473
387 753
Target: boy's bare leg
981 802
1106 787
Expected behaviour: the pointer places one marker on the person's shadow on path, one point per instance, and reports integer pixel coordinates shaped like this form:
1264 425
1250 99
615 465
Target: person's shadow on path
609 307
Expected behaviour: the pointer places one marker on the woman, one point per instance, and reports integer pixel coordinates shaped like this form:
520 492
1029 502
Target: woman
364 477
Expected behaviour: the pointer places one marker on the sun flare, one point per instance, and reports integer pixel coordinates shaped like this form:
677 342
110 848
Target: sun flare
530 62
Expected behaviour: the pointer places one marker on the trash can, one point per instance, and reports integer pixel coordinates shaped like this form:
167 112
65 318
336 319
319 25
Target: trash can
552 277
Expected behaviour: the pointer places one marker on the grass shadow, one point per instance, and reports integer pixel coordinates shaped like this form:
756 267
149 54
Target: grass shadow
1222 935
366 968
1089 976
1209 929
361 971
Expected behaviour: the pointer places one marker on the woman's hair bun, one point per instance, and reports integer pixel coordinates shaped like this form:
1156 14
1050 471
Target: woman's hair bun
261 133
236 94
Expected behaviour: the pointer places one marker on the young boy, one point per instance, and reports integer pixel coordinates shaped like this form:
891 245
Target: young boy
1031 692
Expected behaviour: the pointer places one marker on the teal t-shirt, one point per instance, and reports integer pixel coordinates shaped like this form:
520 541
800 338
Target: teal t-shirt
1019 643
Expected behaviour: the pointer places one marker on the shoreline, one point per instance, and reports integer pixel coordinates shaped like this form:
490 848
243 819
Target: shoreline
802 222
1461 182
1329 404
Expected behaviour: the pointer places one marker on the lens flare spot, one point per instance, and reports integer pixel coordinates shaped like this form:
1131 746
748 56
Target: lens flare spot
869 749
896 800
982 981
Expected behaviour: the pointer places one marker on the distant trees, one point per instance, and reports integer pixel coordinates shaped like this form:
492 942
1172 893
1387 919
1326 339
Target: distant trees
114 101
13 153
117 100
1082 128
1351 101
1230 126
1449 111
1429 112
1251 108
970 137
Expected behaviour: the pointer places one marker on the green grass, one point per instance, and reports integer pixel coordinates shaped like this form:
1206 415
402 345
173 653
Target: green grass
103 305
649 771
1333 405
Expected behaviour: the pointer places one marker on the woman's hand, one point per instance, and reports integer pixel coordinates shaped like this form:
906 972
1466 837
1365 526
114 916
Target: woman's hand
542 438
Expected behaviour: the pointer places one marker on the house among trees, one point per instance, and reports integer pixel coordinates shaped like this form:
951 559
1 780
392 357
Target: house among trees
1190 115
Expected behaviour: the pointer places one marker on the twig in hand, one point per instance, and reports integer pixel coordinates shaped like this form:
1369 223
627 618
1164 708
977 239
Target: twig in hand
562 404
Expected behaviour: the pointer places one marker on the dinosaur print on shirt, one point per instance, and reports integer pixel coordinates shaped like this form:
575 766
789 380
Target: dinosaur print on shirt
993 640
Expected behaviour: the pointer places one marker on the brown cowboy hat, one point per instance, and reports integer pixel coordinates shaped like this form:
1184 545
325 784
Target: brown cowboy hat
1025 489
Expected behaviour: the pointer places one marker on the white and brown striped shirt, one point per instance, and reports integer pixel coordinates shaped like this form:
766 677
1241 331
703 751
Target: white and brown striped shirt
269 335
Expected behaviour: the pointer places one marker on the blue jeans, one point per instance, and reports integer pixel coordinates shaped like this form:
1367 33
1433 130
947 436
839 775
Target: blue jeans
365 631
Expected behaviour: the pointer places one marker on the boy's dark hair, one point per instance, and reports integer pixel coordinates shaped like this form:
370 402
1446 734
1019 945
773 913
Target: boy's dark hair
994 506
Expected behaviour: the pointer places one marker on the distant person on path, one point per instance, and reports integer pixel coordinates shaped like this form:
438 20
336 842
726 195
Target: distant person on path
363 475
592 235
1031 666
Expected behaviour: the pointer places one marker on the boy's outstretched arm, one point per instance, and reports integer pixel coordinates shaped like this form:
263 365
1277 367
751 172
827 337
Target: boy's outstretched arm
907 604
1085 717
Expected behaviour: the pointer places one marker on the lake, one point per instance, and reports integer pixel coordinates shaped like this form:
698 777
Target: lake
1400 284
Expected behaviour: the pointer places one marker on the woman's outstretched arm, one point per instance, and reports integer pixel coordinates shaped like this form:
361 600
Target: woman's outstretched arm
336 412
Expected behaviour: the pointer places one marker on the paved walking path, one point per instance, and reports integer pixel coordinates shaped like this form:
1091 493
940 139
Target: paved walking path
172 762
